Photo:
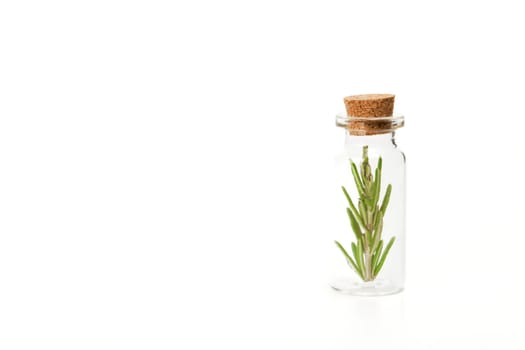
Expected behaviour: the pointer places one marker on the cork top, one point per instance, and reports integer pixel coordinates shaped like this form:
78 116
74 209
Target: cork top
370 114
371 105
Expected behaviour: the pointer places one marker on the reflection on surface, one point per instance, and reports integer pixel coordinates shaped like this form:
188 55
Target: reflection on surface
374 322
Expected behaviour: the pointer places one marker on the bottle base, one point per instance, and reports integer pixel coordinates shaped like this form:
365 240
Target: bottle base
378 287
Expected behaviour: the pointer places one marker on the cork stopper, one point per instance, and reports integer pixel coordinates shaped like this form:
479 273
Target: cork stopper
369 106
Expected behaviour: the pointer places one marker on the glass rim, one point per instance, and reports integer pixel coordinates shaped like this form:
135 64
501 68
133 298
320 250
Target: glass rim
396 121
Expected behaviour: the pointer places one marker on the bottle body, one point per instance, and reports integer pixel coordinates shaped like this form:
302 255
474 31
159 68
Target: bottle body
368 255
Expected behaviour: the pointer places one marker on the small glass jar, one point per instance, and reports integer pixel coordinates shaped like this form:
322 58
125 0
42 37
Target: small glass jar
368 257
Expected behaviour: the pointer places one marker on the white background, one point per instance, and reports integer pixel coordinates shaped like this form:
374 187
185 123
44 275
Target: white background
166 170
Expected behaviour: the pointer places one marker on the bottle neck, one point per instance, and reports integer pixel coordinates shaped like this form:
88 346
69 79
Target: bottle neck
379 140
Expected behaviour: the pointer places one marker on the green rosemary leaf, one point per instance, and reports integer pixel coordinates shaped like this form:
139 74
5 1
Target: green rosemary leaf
348 257
386 198
378 218
378 228
348 197
363 211
343 250
353 208
357 180
367 221
383 257
366 214
359 267
365 152
377 187
354 251
355 226
377 253
359 257
364 168
366 175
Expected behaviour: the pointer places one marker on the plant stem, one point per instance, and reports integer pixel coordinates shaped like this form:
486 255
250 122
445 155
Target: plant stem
369 276
366 220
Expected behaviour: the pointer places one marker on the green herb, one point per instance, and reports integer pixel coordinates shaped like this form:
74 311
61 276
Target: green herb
366 220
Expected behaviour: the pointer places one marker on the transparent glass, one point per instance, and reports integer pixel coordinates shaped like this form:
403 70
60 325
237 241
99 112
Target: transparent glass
368 257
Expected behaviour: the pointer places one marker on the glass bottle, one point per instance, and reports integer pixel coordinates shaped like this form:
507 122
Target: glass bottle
369 252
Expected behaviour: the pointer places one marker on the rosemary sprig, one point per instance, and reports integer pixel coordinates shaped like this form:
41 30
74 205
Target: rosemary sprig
366 220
